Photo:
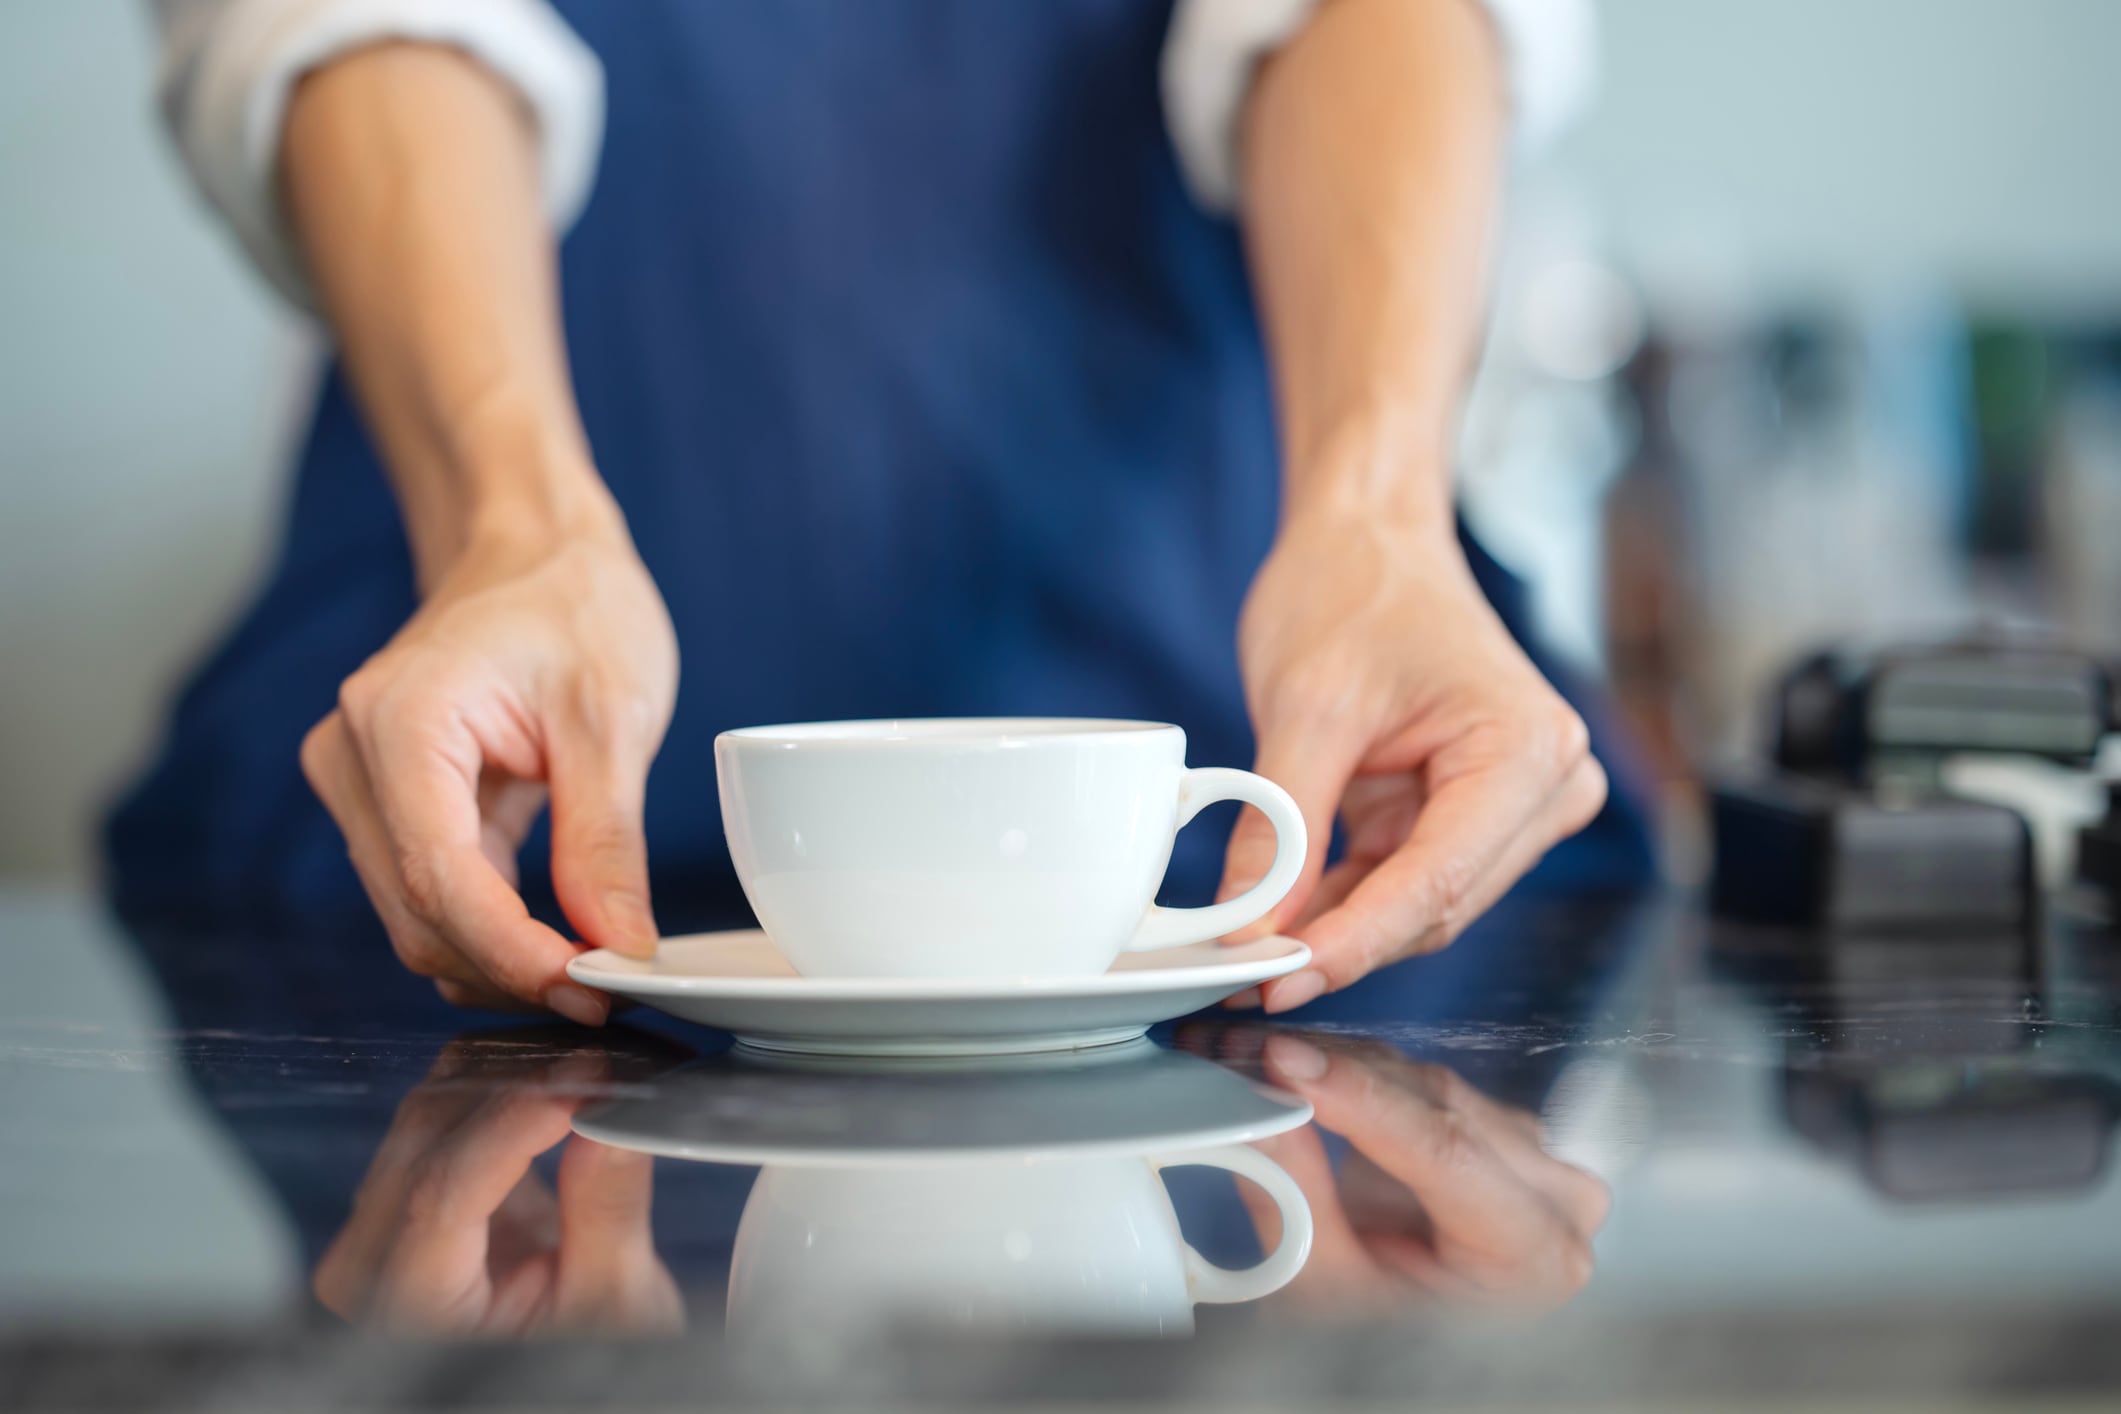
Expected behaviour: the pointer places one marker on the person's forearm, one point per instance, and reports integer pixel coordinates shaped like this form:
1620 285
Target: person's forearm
1371 156
410 176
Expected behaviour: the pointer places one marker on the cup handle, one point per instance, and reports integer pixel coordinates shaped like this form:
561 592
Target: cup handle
1198 789
1220 1285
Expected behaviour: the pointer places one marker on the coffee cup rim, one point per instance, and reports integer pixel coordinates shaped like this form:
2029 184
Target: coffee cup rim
954 733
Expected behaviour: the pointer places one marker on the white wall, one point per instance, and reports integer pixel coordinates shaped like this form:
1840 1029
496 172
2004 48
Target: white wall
145 395
1862 147
1769 147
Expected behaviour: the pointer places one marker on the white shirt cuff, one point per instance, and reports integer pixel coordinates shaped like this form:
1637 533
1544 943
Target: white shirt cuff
229 67
1215 47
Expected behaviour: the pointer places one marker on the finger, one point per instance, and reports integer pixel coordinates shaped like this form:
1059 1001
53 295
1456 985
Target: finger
1580 1195
610 1277
1478 1233
1567 810
1515 1134
346 1274
606 1195
1334 886
480 996
516 954
1436 1150
599 857
421 948
1336 1248
425 771
340 780
1330 969
1314 769
524 1227
508 807
1379 812
1512 1129
439 1262
1489 1229
1477 836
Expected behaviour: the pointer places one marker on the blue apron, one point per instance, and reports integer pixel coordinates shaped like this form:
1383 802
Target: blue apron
926 391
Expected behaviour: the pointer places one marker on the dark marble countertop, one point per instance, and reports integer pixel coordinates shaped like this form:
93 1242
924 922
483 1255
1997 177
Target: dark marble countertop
1602 1152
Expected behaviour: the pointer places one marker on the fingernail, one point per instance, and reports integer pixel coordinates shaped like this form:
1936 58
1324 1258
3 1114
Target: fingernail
1233 887
577 1005
579 1071
1243 1001
1295 1060
1293 992
637 933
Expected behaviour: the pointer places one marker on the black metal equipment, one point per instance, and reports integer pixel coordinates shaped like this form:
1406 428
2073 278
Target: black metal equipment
1850 827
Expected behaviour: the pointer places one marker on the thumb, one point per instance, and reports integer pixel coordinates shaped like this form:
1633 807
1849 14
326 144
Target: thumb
1314 773
599 856
606 1196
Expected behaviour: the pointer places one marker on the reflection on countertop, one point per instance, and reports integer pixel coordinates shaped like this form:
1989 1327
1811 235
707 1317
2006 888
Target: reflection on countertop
1522 1169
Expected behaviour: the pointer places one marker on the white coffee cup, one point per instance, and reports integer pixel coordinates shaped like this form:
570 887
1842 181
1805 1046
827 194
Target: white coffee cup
1074 1245
978 847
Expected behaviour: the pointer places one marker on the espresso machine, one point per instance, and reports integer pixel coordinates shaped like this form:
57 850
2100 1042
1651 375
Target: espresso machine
1850 826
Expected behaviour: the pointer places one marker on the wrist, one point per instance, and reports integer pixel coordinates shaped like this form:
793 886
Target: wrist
1387 466
546 516
514 491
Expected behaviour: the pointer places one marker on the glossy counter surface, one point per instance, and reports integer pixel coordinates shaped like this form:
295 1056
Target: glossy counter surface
1856 1171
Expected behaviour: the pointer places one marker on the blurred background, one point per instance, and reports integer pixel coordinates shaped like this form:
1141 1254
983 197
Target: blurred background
1810 330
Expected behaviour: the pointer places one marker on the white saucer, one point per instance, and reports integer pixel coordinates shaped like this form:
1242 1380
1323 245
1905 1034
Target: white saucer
740 983
812 1112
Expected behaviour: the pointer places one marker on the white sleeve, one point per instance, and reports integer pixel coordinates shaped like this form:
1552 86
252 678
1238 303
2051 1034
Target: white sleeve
229 66
1215 46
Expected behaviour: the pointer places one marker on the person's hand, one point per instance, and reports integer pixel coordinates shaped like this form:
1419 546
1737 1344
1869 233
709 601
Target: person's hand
535 667
452 1233
1384 690
1445 1193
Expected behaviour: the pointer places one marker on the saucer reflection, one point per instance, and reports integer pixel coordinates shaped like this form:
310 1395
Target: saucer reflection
1019 1196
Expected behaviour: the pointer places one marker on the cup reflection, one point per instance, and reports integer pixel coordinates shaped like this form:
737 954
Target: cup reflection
1075 1245
1006 1195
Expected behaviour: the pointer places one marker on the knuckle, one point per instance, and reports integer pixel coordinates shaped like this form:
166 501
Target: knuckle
319 745
382 702
1451 1092
420 882
1373 947
424 1115
359 696
1575 1263
1557 737
1376 1056
1313 694
607 847
1453 1145
1450 894
334 1283
506 975
418 954
1572 735
614 711
1589 796
427 1190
